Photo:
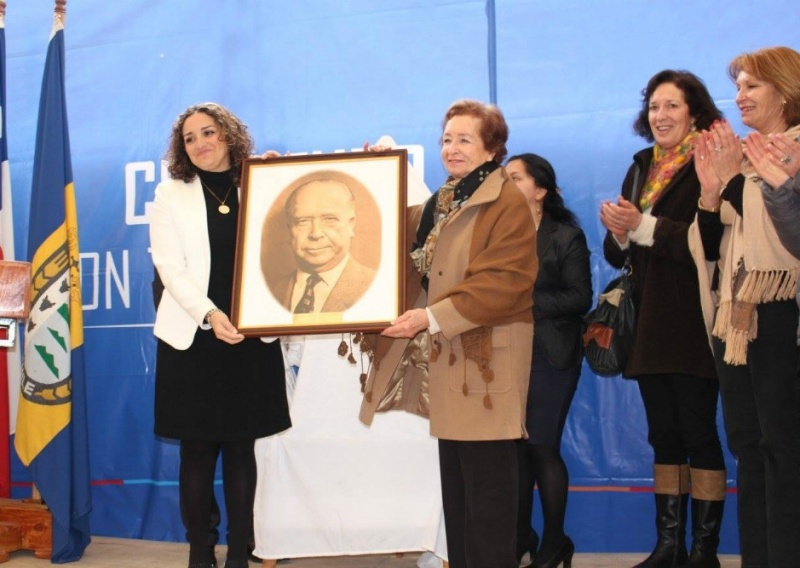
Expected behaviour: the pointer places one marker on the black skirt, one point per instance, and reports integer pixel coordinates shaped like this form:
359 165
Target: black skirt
218 392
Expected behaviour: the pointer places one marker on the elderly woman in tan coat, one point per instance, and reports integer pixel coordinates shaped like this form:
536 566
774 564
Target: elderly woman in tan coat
462 354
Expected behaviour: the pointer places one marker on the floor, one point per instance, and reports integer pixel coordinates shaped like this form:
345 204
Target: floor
126 553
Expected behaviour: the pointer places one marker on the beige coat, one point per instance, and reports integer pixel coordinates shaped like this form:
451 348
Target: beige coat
482 274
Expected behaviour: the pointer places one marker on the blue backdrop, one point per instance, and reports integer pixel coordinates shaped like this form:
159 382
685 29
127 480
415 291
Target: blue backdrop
315 75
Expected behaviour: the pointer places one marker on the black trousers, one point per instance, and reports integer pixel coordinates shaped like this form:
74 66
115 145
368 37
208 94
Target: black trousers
761 407
479 494
681 415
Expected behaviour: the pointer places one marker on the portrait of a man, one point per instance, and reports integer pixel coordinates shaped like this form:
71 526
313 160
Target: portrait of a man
320 214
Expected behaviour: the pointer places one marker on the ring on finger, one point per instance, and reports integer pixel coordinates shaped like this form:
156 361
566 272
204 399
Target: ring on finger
718 148
786 159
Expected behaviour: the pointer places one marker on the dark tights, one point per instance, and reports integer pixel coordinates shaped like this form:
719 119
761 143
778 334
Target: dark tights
544 466
198 463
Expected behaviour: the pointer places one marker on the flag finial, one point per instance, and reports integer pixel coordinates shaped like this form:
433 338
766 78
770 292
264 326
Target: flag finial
60 12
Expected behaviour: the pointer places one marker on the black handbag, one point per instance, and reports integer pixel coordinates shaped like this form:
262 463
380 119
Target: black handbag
611 325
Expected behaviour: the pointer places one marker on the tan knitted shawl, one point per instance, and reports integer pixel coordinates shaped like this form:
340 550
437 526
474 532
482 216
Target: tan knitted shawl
755 268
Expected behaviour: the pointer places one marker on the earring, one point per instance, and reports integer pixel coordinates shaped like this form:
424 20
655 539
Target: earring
693 127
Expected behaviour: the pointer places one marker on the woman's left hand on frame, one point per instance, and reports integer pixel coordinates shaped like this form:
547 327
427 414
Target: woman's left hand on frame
273 154
223 328
408 325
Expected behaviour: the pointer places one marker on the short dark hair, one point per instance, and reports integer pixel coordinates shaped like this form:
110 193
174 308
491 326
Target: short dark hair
494 129
701 106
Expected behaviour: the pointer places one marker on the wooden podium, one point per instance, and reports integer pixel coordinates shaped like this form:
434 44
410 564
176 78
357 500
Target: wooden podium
24 524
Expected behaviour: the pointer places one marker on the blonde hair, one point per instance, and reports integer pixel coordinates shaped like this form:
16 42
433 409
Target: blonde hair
778 66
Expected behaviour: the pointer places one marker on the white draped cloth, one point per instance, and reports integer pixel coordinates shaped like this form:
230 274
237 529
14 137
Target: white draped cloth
330 486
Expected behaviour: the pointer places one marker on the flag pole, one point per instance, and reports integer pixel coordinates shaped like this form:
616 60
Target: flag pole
60 15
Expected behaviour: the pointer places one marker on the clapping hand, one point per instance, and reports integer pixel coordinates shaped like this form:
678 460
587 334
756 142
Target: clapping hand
775 158
620 217
723 149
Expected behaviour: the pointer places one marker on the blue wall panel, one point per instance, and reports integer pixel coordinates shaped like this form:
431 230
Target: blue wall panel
314 75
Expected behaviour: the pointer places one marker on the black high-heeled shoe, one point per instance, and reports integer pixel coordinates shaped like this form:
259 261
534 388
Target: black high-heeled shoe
562 555
529 545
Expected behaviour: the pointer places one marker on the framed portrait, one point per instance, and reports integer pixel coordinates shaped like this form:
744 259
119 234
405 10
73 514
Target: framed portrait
321 243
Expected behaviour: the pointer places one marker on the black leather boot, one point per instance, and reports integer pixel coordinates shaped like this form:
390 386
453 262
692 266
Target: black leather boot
706 522
670 550
708 501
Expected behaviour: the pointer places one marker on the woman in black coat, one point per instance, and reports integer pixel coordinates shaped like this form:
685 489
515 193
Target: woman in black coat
561 297
671 357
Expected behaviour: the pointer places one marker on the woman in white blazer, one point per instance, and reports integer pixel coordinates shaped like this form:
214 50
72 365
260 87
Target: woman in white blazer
216 391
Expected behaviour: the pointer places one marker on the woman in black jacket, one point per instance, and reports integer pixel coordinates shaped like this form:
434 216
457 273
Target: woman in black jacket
561 297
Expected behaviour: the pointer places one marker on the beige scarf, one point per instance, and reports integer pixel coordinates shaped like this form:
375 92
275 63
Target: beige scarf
755 268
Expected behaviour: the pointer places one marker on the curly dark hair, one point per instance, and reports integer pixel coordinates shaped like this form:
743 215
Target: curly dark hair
544 175
494 129
233 131
701 106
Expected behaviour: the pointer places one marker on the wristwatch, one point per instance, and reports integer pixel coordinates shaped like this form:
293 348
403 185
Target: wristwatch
209 313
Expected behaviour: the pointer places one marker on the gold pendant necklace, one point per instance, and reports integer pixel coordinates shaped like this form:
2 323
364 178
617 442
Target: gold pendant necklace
224 209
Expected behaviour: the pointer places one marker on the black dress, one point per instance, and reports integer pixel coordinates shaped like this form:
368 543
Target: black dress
214 391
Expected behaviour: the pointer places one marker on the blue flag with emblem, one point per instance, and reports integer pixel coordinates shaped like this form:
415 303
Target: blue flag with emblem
51 438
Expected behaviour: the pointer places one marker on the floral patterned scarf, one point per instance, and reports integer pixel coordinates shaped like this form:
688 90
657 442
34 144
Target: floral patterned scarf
666 164
438 211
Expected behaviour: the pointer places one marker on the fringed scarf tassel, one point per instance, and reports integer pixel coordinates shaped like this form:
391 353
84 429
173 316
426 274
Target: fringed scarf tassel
736 326
767 286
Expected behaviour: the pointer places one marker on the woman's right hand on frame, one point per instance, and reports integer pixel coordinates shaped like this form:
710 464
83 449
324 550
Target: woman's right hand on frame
375 148
223 328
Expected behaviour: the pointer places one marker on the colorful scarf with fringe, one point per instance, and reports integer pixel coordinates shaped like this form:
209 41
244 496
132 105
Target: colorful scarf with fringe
666 164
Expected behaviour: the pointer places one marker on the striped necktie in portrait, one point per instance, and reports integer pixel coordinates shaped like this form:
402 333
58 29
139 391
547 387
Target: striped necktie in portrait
306 303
